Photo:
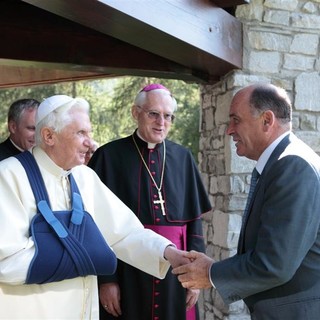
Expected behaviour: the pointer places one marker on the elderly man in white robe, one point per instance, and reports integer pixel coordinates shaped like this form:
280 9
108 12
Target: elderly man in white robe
26 290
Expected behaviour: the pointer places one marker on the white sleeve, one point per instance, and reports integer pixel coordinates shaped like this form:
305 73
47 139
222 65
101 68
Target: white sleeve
17 207
14 269
131 242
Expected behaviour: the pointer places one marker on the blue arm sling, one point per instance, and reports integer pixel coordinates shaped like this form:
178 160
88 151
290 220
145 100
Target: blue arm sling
68 243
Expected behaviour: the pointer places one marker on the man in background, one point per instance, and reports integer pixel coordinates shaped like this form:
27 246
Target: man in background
93 147
159 180
21 127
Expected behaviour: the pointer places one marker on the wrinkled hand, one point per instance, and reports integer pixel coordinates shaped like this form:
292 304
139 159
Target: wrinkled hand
195 274
175 256
192 297
110 298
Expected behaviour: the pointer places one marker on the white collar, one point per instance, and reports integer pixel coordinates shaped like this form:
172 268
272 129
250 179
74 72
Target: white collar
263 159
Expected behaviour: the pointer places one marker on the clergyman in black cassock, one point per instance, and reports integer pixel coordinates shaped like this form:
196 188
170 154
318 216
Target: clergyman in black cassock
21 126
174 212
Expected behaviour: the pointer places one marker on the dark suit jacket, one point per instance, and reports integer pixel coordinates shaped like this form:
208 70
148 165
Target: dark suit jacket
7 149
277 268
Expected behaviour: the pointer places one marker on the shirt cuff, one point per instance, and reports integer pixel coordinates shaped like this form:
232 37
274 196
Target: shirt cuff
169 245
210 277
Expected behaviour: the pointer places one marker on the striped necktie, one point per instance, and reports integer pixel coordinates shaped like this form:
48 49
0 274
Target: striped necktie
254 179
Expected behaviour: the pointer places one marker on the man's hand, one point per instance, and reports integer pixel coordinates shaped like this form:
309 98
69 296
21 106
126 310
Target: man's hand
175 256
110 298
195 274
192 297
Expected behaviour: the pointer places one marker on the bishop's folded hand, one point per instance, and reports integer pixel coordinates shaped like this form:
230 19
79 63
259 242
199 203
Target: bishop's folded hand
195 274
192 297
109 294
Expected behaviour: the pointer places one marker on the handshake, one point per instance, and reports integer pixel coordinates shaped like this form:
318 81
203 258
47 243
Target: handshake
192 268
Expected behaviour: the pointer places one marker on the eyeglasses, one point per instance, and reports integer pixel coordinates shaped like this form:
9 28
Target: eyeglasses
155 115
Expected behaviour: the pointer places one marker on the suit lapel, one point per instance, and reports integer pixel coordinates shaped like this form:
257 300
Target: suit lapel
273 158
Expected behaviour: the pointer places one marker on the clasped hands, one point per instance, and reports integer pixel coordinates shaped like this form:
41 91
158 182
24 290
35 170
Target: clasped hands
192 268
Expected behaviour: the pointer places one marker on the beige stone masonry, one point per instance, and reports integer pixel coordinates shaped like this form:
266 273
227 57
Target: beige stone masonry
281 46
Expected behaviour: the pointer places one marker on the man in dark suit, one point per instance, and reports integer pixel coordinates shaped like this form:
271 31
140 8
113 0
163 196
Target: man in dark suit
21 127
276 270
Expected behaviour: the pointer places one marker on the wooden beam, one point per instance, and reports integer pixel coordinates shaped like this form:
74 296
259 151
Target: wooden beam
196 34
46 72
12 75
32 37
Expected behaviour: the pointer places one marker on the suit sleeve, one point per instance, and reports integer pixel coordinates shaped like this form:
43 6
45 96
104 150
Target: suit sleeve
284 232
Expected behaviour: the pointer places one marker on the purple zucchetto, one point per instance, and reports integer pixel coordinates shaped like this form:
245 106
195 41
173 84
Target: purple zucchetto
154 86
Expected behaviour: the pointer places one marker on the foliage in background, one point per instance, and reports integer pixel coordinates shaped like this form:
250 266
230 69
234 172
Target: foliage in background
8 96
111 101
116 120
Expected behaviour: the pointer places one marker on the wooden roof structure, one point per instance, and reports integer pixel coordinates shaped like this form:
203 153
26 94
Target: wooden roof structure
67 40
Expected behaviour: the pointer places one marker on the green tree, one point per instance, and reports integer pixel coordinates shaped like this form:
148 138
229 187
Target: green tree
185 129
8 96
111 101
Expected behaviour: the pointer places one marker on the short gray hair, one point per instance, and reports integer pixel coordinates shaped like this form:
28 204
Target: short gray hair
141 98
18 107
60 117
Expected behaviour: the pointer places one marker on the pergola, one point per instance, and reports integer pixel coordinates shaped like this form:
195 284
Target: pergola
67 40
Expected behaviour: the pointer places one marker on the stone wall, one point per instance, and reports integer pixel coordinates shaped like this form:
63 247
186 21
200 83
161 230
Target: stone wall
281 46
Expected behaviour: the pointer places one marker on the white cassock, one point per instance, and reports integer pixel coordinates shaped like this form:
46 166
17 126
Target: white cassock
74 298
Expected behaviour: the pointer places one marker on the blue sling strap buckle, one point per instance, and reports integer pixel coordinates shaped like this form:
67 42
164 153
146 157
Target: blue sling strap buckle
77 214
52 220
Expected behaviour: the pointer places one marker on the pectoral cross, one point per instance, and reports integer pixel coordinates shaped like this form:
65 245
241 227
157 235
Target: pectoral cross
161 202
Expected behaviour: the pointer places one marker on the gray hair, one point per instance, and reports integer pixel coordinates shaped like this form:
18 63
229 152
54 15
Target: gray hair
59 118
18 107
141 98
270 97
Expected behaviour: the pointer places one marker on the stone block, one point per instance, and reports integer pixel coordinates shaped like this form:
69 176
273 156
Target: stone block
264 62
307 92
269 41
308 122
237 202
209 118
305 44
252 11
298 62
305 21
241 80
277 17
309 7
312 139
289 5
223 106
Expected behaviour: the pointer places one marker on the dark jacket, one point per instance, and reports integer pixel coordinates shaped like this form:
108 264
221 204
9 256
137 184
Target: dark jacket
277 268
7 149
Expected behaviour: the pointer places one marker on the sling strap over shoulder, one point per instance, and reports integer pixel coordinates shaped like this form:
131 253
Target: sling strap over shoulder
68 243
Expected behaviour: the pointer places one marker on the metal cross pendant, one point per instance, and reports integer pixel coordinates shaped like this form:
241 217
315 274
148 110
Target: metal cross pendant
161 202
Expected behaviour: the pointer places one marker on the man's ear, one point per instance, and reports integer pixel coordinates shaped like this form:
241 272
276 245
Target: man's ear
12 126
268 118
47 135
134 112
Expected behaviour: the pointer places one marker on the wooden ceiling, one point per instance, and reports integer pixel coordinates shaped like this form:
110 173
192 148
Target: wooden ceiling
67 40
